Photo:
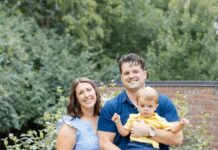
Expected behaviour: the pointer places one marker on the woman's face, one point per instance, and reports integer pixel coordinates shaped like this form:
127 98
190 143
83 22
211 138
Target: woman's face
86 95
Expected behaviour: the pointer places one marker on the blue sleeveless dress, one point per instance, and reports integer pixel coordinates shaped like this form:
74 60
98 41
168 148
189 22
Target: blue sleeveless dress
86 138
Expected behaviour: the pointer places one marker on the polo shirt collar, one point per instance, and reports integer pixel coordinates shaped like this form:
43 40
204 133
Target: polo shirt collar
125 98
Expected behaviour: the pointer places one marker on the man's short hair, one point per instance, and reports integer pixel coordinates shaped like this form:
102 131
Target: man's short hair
131 58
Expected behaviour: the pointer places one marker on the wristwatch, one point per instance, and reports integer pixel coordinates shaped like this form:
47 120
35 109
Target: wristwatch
152 132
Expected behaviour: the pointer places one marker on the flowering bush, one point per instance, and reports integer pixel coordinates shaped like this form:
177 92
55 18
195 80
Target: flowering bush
196 137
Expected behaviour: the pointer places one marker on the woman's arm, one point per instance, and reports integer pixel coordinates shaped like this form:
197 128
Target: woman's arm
66 138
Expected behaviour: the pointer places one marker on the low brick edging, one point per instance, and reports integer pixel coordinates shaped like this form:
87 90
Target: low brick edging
202 97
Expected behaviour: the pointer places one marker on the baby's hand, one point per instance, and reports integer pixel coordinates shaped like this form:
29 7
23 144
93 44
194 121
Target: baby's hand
115 118
184 121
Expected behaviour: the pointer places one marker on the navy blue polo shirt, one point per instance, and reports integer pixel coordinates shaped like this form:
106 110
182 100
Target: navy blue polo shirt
123 106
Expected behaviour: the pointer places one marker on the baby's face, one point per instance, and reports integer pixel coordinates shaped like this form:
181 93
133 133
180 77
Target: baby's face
146 107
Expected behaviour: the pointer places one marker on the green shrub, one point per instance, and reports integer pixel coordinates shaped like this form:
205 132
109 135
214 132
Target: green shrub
42 139
33 62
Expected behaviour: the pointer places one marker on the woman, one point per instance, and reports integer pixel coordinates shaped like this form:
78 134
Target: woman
77 130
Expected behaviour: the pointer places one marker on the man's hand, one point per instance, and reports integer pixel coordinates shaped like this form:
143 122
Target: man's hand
140 129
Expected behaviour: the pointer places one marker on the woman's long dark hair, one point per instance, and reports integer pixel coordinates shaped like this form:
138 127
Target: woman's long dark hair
73 107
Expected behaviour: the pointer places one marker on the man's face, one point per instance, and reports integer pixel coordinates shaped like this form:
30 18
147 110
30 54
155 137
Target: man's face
133 76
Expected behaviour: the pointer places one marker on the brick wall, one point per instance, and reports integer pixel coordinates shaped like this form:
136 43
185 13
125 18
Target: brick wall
202 97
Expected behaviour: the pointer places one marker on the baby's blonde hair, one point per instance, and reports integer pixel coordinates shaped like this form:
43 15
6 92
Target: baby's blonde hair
147 93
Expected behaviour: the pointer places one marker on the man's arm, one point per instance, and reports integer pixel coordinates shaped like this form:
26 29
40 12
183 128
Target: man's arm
107 128
106 140
168 137
167 110
141 129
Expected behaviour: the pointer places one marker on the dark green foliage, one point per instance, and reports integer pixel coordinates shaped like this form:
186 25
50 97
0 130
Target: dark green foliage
186 48
34 62
172 34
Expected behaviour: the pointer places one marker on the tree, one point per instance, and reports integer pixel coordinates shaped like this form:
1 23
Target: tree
186 47
33 63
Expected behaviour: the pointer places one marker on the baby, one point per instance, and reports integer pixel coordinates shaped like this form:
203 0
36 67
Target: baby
147 102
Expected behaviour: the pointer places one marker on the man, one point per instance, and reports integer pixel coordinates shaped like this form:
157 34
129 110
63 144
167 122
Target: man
133 76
